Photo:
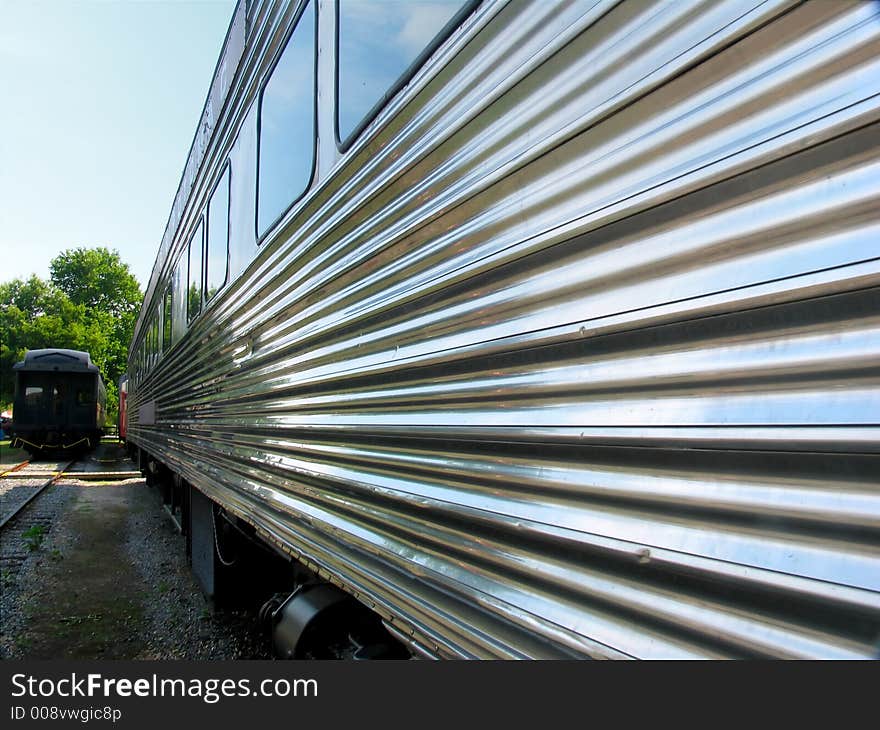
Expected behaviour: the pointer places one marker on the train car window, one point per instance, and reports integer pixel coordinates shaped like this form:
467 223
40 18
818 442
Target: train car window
33 394
157 324
194 290
286 126
179 298
166 320
380 47
218 237
154 331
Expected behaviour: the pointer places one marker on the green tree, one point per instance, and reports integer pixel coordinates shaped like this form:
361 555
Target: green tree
91 304
26 296
98 279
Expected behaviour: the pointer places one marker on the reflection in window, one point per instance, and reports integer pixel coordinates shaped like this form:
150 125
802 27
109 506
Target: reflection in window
194 297
155 336
287 125
218 237
166 320
180 295
33 394
84 396
378 42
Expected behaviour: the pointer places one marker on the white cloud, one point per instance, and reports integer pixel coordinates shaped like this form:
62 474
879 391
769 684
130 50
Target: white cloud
408 24
423 22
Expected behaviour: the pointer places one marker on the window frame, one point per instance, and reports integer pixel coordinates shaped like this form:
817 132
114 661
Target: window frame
260 238
31 402
157 333
199 227
343 145
148 347
89 399
151 347
227 168
167 317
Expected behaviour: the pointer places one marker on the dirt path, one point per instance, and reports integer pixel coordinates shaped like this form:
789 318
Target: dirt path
91 601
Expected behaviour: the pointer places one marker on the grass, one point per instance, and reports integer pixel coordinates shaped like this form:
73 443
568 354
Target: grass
75 620
11 457
34 537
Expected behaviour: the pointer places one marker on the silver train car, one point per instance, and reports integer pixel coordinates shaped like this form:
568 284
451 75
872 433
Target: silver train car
535 329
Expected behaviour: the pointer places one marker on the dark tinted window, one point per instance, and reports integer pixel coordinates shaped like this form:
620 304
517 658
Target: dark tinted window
287 125
378 43
194 288
218 237
155 336
59 398
166 320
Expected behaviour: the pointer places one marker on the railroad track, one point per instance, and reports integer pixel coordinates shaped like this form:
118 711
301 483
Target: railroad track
25 520
29 510
23 483
14 468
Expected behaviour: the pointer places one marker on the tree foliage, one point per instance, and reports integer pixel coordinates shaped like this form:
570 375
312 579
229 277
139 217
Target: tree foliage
90 304
98 279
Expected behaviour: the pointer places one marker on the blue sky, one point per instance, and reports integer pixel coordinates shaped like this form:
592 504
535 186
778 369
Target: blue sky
99 102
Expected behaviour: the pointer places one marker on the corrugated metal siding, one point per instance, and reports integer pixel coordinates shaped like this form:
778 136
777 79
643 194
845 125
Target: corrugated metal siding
576 352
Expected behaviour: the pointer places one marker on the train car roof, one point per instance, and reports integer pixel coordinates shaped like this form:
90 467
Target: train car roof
56 359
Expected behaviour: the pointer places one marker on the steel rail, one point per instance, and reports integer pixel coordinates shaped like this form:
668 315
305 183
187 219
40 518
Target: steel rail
36 493
22 465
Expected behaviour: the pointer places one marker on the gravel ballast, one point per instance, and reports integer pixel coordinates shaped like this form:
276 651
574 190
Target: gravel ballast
106 576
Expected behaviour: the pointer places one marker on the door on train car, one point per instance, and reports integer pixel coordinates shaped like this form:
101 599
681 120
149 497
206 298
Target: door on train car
59 404
82 401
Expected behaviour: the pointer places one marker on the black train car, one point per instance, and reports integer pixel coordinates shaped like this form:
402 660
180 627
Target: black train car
60 401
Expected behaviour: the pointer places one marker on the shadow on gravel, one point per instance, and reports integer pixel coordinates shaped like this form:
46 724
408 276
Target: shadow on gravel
89 604
111 581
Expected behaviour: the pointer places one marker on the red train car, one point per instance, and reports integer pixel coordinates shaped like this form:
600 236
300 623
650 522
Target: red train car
123 402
